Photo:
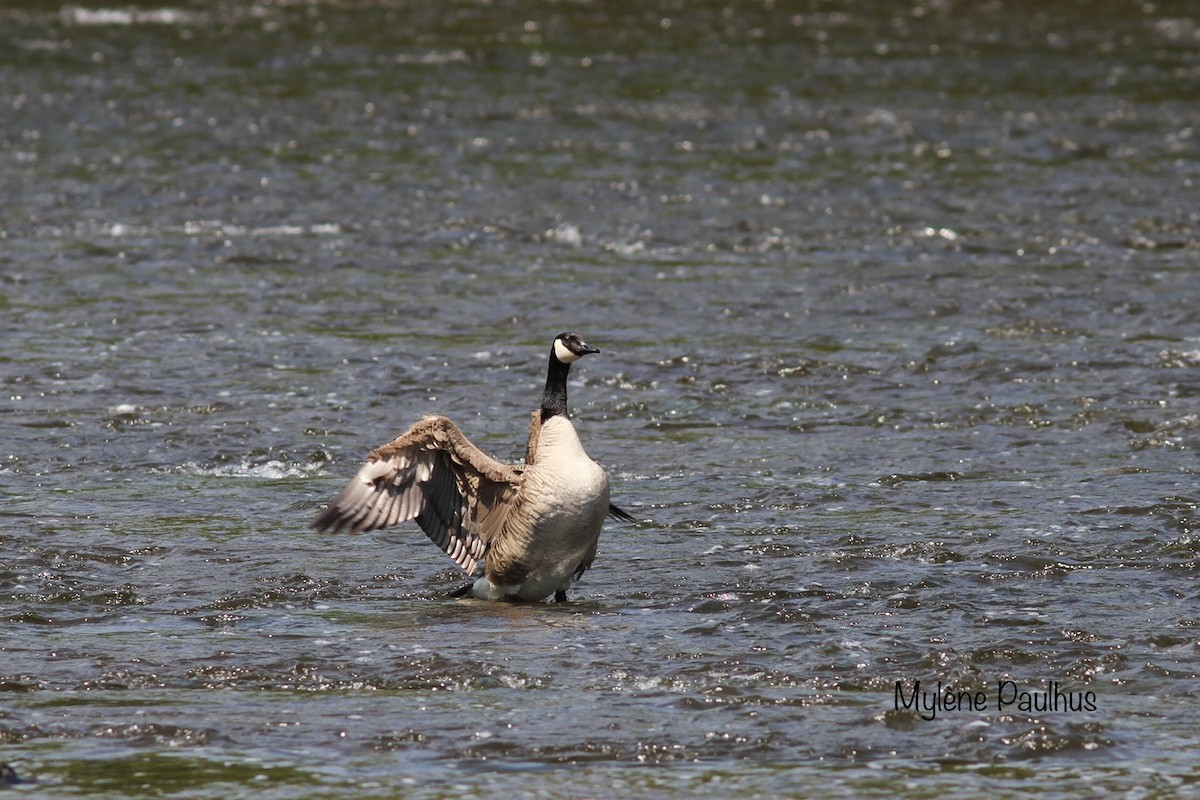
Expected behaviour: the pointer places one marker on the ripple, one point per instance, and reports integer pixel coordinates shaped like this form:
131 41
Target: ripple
268 470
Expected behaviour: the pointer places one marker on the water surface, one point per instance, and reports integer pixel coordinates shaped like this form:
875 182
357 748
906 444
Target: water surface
897 306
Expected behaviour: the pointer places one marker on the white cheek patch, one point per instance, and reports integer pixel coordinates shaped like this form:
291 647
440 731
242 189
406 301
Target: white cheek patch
563 353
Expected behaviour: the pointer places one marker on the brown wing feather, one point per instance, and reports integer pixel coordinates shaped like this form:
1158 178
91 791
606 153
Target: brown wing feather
431 473
535 428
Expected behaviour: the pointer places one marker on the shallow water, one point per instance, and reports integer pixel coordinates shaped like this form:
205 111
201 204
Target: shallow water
898 316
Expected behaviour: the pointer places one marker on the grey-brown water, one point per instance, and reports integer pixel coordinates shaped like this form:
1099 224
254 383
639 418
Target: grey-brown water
898 311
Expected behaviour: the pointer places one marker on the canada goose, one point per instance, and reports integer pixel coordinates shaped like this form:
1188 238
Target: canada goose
533 526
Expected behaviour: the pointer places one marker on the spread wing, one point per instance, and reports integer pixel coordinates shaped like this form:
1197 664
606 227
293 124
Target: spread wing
459 495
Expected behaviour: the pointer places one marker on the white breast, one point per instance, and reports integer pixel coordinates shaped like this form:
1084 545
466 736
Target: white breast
567 500
562 472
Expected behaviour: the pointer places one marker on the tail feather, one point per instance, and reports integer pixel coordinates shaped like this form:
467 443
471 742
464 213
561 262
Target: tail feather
617 513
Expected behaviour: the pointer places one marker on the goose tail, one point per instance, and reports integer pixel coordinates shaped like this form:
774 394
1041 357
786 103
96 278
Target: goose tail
617 513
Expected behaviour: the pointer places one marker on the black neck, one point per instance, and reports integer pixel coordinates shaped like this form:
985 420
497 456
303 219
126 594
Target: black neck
554 399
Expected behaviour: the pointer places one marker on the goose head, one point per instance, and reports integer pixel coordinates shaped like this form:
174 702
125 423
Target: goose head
569 347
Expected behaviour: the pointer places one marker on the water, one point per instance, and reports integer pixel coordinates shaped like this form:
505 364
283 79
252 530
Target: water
897 306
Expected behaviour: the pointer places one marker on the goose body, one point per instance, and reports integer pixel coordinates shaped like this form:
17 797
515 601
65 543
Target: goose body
534 527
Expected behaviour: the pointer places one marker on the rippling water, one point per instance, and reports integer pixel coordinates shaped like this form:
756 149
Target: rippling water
898 312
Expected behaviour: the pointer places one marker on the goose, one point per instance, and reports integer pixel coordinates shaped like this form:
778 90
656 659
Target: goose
534 527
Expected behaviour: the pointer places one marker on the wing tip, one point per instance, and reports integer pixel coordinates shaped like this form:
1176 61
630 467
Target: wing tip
331 520
621 514
338 517
325 521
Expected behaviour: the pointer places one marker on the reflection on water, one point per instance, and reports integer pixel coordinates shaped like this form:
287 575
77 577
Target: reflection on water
899 350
